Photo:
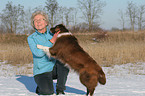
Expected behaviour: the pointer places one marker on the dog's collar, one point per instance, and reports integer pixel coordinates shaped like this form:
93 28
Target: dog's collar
62 34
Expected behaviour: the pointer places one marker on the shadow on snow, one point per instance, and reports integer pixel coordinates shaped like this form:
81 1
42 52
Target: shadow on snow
31 85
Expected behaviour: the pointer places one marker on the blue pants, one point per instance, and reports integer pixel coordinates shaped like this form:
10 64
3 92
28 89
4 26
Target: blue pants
45 81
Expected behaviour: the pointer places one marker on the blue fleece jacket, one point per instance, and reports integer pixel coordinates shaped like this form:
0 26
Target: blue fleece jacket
41 63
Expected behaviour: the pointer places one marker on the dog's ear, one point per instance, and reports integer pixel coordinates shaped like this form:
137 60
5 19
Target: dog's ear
61 28
52 30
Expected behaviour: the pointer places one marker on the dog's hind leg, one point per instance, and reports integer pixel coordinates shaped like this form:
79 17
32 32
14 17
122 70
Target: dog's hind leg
90 92
102 78
87 92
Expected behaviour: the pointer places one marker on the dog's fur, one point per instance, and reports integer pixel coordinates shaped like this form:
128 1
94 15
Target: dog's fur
68 51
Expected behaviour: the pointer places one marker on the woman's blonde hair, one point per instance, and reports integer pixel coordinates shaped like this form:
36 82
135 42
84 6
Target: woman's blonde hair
43 14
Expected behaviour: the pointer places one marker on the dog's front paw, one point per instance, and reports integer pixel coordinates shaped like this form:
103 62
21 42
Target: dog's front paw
45 49
40 46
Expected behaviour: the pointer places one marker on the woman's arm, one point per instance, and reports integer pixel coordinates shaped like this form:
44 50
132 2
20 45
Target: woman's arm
33 47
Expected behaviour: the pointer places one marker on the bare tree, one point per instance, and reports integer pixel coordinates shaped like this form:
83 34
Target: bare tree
60 14
11 16
4 22
68 16
122 19
25 22
75 16
141 20
91 10
132 13
51 7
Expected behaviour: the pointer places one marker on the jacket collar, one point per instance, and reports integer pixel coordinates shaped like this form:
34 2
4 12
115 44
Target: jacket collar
42 33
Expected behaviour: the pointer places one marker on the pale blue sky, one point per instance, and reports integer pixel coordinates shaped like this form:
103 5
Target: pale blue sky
109 18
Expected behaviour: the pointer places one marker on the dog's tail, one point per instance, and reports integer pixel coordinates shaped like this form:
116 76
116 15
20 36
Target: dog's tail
102 78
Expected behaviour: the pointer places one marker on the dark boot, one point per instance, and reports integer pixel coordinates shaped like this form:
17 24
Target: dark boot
37 92
58 92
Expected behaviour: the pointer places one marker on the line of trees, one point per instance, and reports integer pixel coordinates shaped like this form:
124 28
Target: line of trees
134 15
11 16
14 19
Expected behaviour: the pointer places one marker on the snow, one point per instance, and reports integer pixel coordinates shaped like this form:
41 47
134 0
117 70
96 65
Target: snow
122 80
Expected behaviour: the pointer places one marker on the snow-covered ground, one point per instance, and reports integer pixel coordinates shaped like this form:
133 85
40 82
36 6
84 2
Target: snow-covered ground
122 80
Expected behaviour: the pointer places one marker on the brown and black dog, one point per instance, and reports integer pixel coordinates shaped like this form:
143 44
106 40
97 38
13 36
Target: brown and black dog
68 51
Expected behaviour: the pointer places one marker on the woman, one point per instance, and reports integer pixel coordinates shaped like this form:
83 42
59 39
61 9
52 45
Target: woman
45 69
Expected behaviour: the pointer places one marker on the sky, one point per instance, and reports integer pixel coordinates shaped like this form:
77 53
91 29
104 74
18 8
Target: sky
109 18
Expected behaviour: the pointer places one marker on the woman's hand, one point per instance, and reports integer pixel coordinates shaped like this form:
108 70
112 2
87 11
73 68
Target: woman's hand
54 37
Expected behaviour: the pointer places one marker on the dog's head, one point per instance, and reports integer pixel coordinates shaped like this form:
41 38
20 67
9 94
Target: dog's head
58 28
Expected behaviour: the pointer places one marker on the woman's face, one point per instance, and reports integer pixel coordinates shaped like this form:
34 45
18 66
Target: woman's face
40 22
